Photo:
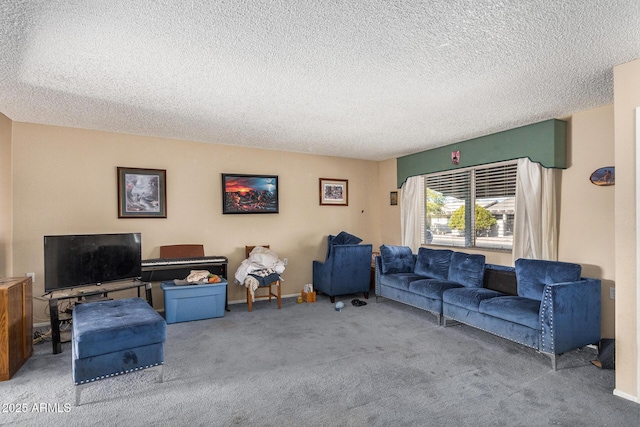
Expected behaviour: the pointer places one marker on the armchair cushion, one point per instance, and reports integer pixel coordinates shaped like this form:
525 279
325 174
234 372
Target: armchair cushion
534 274
467 269
433 263
343 238
396 259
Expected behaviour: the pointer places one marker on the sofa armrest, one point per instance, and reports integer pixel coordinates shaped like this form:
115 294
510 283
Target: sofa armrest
321 275
570 315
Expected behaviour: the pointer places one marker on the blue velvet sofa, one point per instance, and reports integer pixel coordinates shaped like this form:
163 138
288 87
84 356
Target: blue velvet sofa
551 307
346 269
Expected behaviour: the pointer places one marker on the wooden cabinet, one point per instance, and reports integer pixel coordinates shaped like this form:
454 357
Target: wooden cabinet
16 324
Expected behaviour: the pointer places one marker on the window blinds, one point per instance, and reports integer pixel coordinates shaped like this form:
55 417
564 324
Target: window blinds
496 181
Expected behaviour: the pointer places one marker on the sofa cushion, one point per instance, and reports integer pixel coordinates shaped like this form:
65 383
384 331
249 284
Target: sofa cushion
432 288
534 274
398 280
433 263
523 311
469 298
396 259
466 269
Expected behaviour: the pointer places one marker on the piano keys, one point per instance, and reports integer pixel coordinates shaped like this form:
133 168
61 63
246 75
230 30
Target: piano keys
161 269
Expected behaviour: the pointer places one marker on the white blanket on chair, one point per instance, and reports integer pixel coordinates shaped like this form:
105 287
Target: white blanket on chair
260 258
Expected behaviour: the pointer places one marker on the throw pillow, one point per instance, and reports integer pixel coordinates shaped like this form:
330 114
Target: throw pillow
467 269
433 263
396 259
534 274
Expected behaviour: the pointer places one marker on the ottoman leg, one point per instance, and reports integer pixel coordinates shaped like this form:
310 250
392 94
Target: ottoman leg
160 372
79 388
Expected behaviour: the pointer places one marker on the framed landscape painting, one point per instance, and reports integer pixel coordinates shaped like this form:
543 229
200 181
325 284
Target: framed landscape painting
142 193
334 192
247 194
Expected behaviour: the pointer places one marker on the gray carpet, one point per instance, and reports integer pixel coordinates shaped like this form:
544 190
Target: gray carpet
383 364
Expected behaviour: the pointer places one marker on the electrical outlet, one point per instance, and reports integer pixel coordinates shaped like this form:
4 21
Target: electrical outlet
33 277
612 293
285 261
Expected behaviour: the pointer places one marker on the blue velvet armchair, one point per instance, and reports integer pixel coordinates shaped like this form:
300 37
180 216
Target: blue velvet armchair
346 270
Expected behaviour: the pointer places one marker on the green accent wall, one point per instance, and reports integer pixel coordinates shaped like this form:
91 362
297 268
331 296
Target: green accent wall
543 142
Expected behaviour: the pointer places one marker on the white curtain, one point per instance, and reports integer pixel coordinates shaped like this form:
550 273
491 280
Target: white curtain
535 228
411 212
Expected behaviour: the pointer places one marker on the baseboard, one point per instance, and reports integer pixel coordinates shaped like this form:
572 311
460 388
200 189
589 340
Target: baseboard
624 395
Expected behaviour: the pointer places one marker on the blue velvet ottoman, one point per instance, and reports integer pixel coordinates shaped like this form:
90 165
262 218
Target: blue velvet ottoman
110 338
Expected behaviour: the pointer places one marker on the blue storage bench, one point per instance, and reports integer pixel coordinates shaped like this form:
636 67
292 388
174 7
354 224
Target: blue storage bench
185 303
110 338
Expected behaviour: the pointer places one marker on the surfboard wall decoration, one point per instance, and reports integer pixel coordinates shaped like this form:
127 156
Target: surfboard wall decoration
604 176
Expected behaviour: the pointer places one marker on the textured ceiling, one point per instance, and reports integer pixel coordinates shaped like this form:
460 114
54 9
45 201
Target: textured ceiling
363 79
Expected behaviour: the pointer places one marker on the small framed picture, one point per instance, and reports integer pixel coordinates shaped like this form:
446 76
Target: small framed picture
393 198
249 194
334 192
142 193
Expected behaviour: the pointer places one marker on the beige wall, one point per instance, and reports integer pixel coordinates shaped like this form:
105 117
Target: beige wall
586 228
65 183
389 214
5 197
626 100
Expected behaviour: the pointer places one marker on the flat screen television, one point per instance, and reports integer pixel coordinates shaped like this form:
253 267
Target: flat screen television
91 259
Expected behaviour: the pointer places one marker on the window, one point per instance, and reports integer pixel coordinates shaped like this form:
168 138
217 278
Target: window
449 196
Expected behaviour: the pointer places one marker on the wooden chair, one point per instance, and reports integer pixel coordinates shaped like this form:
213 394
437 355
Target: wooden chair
181 251
277 284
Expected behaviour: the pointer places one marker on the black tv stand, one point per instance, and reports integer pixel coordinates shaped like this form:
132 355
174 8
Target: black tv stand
82 295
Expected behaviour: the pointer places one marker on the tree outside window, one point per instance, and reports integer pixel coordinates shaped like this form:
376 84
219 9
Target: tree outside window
484 220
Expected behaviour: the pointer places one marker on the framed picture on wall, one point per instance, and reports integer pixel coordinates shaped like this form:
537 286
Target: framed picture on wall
247 194
334 192
142 193
393 198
